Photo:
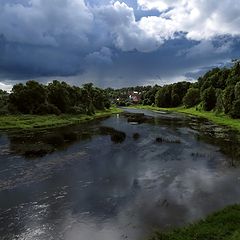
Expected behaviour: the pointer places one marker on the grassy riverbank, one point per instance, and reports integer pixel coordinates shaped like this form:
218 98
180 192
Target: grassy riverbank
221 119
223 225
50 121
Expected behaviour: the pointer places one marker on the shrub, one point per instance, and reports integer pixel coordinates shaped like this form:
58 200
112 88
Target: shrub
77 110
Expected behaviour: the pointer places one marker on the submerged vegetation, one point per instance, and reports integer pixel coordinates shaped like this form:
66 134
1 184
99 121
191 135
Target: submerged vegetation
34 144
116 136
223 225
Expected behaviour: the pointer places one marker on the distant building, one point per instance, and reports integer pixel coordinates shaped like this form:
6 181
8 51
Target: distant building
135 97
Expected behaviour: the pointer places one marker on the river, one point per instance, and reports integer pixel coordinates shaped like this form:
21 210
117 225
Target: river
117 178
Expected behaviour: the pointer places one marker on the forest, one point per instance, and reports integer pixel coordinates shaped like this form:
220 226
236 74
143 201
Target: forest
54 98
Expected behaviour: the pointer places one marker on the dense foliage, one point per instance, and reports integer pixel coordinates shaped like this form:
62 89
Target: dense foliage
3 102
218 90
172 95
54 98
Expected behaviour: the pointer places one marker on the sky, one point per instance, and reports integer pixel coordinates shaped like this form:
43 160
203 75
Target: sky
115 43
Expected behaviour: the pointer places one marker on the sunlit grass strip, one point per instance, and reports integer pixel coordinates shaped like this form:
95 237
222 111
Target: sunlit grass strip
221 119
49 121
222 225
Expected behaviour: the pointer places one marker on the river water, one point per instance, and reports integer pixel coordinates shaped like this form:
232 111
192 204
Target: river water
116 178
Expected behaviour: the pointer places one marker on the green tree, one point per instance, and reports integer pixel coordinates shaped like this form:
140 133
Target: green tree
88 98
149 96
164 97
27 98
192 98
220 102
237 91
58 95
4 98
228 98
175 101
36 93
209 99
235 112
179 89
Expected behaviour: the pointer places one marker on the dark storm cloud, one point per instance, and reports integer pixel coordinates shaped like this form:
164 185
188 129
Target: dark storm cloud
176 60
115 43
24 60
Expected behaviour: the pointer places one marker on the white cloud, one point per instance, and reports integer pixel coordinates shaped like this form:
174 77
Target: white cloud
144 35
199 19
156 4
71 23
5 87
127 33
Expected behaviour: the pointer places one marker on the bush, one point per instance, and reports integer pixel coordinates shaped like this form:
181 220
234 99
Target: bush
12 109
4 110
53 109
107 104
42 109
90 110
146 102
121 104
77 110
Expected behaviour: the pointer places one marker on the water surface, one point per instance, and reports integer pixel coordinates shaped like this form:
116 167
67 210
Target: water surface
97 182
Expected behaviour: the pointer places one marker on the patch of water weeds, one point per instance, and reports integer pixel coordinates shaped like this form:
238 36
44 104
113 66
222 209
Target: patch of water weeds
116 136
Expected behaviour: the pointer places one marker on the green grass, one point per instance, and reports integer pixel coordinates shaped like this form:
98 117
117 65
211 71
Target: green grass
221 119
49 121
223 225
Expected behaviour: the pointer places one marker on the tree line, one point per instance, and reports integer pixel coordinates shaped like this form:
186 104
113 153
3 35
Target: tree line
218 90
55 98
